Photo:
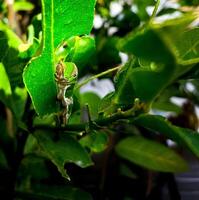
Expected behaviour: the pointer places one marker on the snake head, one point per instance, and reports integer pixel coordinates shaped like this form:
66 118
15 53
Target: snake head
70 72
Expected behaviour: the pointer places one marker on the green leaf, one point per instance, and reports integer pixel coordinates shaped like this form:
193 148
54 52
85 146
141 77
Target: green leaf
4 81
107 53
175 41
61 20
68 15
135 81
27 168
182 136
107 105
82 51
145 40
23 6
92 100
78 50
172 55
150 154
13 64
163 101
31 145
3 160
97 141
188 50
19 101
166 106
185 45
62 150
15 100
145 83
29 50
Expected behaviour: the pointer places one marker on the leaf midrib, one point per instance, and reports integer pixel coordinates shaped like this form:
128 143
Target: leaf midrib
150 156
45 33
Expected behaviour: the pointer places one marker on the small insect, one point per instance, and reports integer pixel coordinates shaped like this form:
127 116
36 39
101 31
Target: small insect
63 83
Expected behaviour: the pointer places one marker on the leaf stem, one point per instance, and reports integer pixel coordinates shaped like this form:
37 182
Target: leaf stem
97 76
154 11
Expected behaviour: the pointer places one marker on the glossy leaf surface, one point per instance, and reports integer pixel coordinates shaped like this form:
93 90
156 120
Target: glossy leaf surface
182 136
9 55
61 20
168 53
150 154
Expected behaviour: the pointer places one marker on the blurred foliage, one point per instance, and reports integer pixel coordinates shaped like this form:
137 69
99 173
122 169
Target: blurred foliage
148 54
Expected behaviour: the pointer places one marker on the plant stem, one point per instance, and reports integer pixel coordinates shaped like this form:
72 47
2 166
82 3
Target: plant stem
97 76
119 115
154 11
12 17
9 122
11 13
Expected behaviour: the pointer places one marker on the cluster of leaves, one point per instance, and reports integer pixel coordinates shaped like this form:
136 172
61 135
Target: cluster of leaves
115 130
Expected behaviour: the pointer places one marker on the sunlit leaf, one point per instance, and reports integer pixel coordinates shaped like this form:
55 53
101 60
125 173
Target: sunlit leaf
23 6
4 81
169 55
61 20
9 56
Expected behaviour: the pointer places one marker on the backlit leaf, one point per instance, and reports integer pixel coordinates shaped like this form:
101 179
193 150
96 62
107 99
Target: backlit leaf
61 20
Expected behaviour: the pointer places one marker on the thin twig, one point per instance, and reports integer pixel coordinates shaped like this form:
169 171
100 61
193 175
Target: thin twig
9 122
11 13
97 76
154 11
12 17
88 113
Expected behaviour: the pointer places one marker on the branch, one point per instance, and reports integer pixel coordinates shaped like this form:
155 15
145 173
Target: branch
106 121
